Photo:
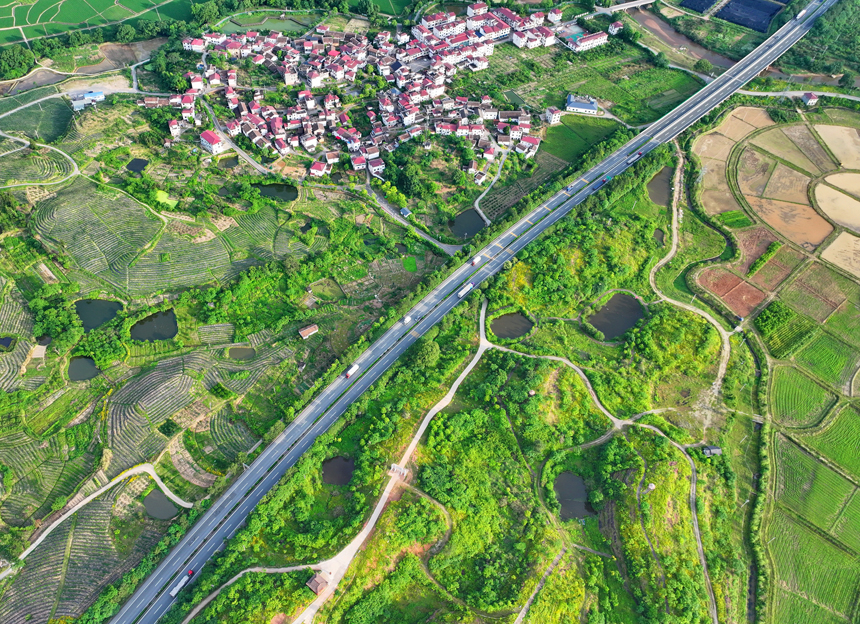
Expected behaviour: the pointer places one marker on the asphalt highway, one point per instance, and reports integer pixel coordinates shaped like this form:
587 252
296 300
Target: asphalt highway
152 599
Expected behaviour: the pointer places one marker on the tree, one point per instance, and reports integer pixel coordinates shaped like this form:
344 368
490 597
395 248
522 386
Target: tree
15 61
125 33
660 60
428 354
703 66
205 13
368 8
847 80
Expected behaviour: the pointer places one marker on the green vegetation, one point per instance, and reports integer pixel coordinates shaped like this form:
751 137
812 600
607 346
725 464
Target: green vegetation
784 331
575 136
837 440
769 253
797 400
734 219
830 359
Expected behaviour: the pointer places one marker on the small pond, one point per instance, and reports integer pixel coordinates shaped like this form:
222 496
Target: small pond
284 192
159 506
82 368
158 326
306 227
619 314
660 187
43 341
467 224
228 163
241 353
511 325
96 312
137 165
370 241
572 496
6 342
401 248
338 470
223 191
660 237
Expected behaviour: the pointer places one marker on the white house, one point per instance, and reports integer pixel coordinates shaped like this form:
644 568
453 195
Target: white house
175 129
479 8
377 166
810 99
615 28
211 142
588 42
553 115
583 105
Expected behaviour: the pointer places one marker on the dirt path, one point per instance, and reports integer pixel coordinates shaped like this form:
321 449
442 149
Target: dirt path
540 585
487 190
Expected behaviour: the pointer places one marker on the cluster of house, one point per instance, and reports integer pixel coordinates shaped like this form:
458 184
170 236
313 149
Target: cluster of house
583 105
582 43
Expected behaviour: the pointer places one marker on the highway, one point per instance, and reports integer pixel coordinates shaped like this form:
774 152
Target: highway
228 513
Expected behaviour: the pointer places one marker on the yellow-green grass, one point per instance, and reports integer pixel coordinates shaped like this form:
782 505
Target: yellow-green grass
847 527
839 440
807 486
572 138
798 401
788 607
808 565
830 359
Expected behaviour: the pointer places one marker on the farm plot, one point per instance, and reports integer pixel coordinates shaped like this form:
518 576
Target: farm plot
575 135
130 438
809 566
798 401
807 486
175 263
847 182
743 299
839 440
778 144
753 14
230 436
819 291
777 268
790 336
787 184
754 170
735 219
845 323
844 252
499 199
843 142
802 136
33 166
789 607
15 318
830 359
847 528
797 222
216 334
842 209
46 121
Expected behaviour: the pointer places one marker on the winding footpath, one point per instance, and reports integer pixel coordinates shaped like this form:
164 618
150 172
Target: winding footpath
148 469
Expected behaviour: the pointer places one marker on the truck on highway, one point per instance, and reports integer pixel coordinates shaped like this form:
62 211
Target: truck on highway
465 290
407 319
800 14
182 583
634 158
352 370
600 183
476 260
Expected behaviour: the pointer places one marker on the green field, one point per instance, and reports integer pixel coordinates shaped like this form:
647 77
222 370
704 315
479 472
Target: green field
788 607
575 135
790 336
798 401
389 7
810 566
46 121
50 17
734 219
830 359
807 486
839 441
847 527
410 264
845 323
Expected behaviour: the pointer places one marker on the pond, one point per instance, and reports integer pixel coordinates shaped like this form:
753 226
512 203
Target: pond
467 223
241 353
284 192
306 227
158 326
660 187
338 470
572 496
370 241
511 325
43 341
96 312
223 191
228 163
137 165
660 237
401 248
82 368
6 342
619 314
159 506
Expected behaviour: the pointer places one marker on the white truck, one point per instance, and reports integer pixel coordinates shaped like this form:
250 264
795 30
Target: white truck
634 158
182 583
407 319
465 290
351 371
476 260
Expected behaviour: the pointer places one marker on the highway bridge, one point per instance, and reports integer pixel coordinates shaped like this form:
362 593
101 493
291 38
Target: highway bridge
152 599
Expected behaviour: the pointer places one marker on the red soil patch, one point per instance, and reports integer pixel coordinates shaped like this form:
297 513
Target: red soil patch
777 269
718 281
753 243
743 299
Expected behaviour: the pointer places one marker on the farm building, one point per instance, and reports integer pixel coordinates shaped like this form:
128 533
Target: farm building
318 583
810 99
587 42
307 332
553 115
584 105
211 142
710 451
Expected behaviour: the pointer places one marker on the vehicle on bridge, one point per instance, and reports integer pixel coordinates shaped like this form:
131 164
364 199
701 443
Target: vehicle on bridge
407 319
352 370
634 158
182 583
476 260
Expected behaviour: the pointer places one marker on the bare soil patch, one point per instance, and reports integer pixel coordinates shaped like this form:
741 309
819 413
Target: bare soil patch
844 252
39 78
754 169
774 272
187 467
800 224
222 223
744 298
718 280
841 208
809 145
757 117
716 196
777 143
714 145
735 128
848 182
752 243
787 184
843 142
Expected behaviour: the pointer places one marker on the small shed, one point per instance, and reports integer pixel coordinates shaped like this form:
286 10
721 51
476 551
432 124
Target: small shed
810 99
318 583
710 451
307 332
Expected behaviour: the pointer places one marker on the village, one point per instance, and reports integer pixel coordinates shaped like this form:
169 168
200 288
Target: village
418 67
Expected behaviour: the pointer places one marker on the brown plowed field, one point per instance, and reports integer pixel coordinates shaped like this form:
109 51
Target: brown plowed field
844 252
753 243
841 208
716 196
754 170
743 299
843 142
718 280
714 145
757 117
777 269
800 224
809 145
777 143
788 185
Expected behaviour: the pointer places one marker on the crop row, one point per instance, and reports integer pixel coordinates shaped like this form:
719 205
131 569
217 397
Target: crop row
809 565
27 166
847 528
839 441
260 226
809 487
790 337
216 334
22 453
797 400
167 398
231 437
14 317
137 388
832 360
131 439
10 366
